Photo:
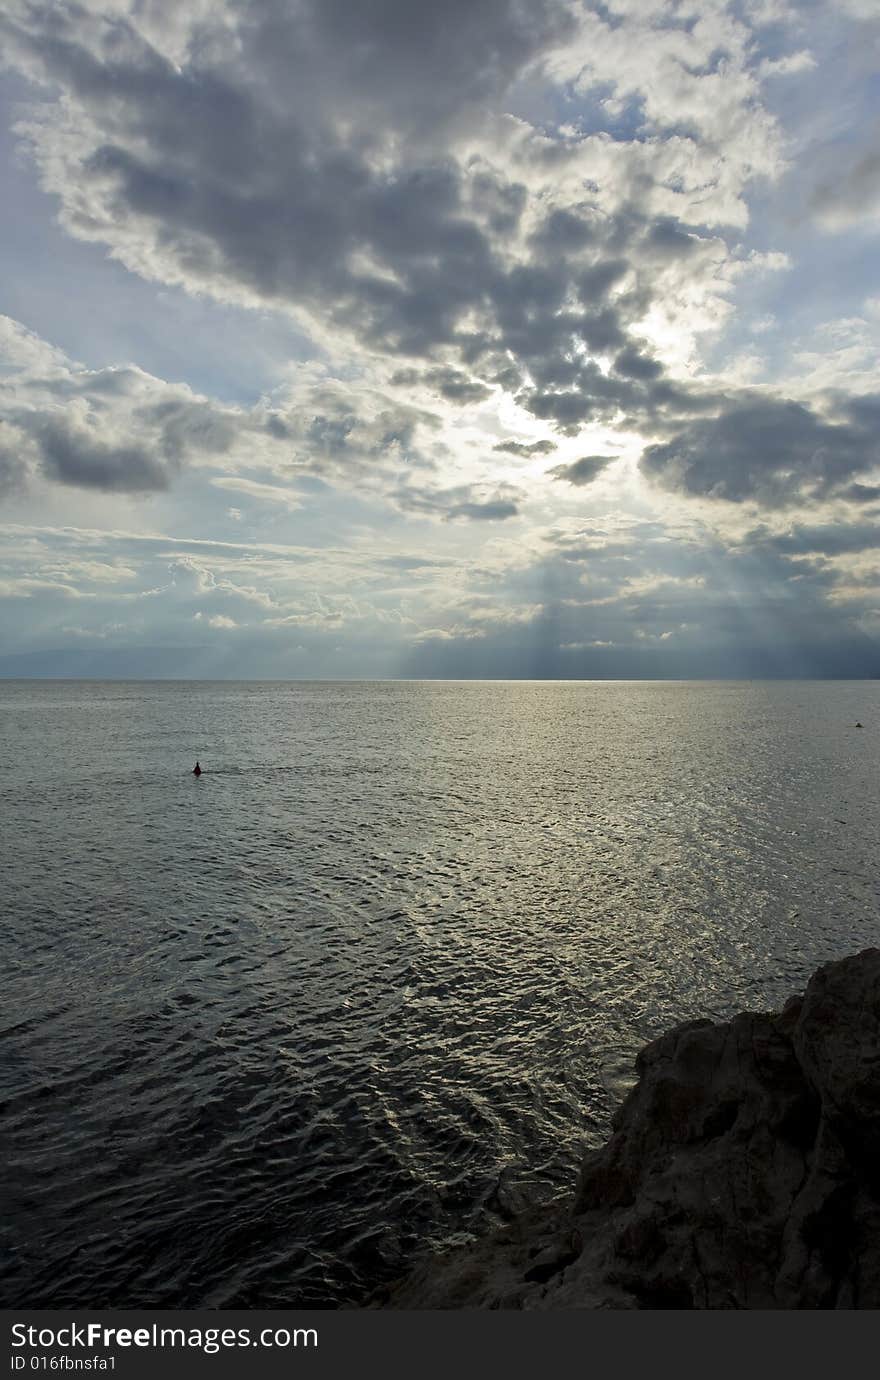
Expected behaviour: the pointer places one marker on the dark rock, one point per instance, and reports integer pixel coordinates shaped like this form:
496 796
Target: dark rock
554 1258
507 1198
743 1171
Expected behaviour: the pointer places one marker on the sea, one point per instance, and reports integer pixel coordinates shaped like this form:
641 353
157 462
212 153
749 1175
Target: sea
378 976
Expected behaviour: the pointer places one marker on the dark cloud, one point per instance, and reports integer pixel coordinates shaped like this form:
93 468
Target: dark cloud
566 410
78 456
278 427
635 365
13 470
233 166
596 282
304 154
567 231
768 449
526 448
667 239
593 395
310 154
182 426
827 539
861 493
120 430
493 510
405 378
413 65
499 202
582 471
456 386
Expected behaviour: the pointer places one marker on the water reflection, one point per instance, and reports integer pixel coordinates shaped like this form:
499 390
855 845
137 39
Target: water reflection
266 1032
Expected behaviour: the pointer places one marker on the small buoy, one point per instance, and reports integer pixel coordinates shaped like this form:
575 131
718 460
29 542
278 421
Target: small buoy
197 771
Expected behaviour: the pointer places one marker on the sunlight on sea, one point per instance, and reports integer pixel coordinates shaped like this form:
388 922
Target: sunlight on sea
385 965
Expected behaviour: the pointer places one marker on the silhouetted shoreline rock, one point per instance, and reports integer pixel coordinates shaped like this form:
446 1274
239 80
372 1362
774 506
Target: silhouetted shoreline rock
743 1171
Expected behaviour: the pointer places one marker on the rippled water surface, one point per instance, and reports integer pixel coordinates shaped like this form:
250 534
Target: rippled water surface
267 1033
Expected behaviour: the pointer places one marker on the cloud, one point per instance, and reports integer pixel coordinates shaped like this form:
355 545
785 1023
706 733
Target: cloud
342 429
232 170
850 192
661 595
116 430
582 471
75 454
470 502
827 539
252 488
768 449
791 64
633 364
28 588
499 225
526 449
358 165
121 430
456 386
13 468
216 620
492 510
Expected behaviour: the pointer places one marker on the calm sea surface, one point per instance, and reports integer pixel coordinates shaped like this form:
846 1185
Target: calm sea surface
266 1034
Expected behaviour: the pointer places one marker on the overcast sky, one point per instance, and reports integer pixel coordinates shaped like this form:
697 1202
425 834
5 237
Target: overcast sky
490 337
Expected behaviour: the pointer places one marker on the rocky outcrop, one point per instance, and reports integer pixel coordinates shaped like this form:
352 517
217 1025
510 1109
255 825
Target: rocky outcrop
743 1172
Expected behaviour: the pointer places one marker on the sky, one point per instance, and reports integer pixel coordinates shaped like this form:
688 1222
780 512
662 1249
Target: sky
490 338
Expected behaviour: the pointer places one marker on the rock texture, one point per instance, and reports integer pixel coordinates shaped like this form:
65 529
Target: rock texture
743 1172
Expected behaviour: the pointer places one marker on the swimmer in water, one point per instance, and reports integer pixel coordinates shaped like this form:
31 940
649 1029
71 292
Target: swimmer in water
197 771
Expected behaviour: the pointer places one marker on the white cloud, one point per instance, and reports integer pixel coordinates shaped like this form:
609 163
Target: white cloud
790 65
